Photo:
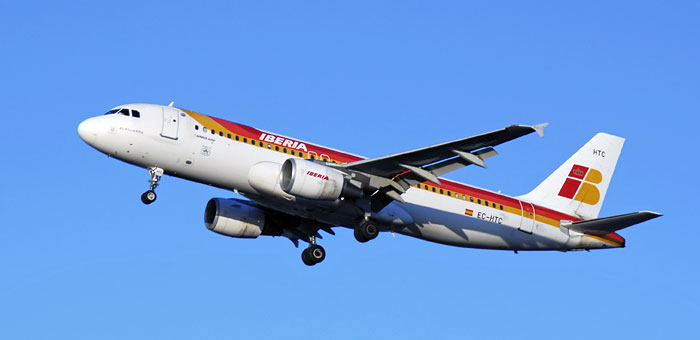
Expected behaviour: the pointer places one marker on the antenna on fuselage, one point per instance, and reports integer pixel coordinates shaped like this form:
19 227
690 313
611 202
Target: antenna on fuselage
171 104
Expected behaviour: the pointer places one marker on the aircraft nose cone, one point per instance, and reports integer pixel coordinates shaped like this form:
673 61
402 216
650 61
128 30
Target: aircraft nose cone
87 131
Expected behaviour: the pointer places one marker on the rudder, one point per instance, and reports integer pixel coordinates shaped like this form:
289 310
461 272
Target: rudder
579 185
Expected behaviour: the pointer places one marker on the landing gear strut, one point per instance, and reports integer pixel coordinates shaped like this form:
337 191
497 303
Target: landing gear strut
366 231
313 254
149 196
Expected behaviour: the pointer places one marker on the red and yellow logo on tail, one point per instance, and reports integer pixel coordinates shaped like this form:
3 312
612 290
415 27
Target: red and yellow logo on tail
580 185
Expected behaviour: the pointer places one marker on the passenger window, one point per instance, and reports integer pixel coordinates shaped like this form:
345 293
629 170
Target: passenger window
196 127
252 141
293 152
213 132
237 138
135 114
245 140
478 201
229 136
204 129
312 158
441 192
221 133
301 154
277 148
493 205
464 197
486 203
284 150
471 199
449 193
501 206
433 189
269 146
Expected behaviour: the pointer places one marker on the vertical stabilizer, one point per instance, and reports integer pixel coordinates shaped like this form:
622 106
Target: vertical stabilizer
578 187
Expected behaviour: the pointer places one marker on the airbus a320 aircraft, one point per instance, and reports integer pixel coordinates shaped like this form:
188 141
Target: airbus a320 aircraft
296 188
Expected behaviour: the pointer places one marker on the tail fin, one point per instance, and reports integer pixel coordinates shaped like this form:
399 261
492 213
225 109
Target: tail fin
579 185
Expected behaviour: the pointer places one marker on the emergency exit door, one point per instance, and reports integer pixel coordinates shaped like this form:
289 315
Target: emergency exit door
171 122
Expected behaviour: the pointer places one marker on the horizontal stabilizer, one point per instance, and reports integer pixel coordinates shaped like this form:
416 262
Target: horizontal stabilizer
607 225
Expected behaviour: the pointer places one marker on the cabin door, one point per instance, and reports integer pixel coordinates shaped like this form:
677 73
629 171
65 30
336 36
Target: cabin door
171 122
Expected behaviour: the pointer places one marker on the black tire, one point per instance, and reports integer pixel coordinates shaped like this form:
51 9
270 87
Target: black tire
148 197
359 236
306 258
316 253
370 230
366 231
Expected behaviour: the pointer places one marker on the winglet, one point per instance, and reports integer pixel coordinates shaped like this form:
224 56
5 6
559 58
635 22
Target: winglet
539 128
171 104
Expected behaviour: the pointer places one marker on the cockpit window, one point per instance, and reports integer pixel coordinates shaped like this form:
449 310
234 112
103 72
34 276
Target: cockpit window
125 112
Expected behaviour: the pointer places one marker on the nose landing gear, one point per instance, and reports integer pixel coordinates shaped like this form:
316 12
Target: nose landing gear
150 196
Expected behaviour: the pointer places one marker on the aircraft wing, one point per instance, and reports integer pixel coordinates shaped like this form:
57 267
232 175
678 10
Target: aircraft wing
392 175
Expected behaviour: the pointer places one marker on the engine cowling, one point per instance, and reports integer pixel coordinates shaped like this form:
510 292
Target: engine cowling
264 177
314 181
232 218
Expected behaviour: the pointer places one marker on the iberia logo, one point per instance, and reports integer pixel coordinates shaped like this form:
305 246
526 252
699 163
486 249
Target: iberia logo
316 174
580 185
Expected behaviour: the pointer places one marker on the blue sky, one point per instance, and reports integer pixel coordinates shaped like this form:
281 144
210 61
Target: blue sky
81 257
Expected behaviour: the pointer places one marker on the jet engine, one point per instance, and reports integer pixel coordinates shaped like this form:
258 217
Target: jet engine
315 181
232 218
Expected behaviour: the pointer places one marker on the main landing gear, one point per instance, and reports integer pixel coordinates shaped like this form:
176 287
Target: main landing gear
149 196
313 254
366 231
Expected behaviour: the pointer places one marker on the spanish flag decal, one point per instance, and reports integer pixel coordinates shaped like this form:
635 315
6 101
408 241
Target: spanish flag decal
468 212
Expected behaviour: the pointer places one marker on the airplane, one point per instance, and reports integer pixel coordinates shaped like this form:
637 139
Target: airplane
295 189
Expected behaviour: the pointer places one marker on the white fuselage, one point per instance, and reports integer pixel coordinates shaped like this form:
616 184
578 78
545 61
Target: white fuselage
181 143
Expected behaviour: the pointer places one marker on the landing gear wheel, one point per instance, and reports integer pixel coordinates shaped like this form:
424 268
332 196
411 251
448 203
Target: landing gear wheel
366 231
148 197
313 254
359 237
316 253
305 257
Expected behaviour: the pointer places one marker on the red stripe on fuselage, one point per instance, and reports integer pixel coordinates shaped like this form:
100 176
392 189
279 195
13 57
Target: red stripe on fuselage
253 133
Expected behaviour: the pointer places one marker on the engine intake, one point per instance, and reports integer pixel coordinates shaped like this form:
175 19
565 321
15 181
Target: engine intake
232 218
315 181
